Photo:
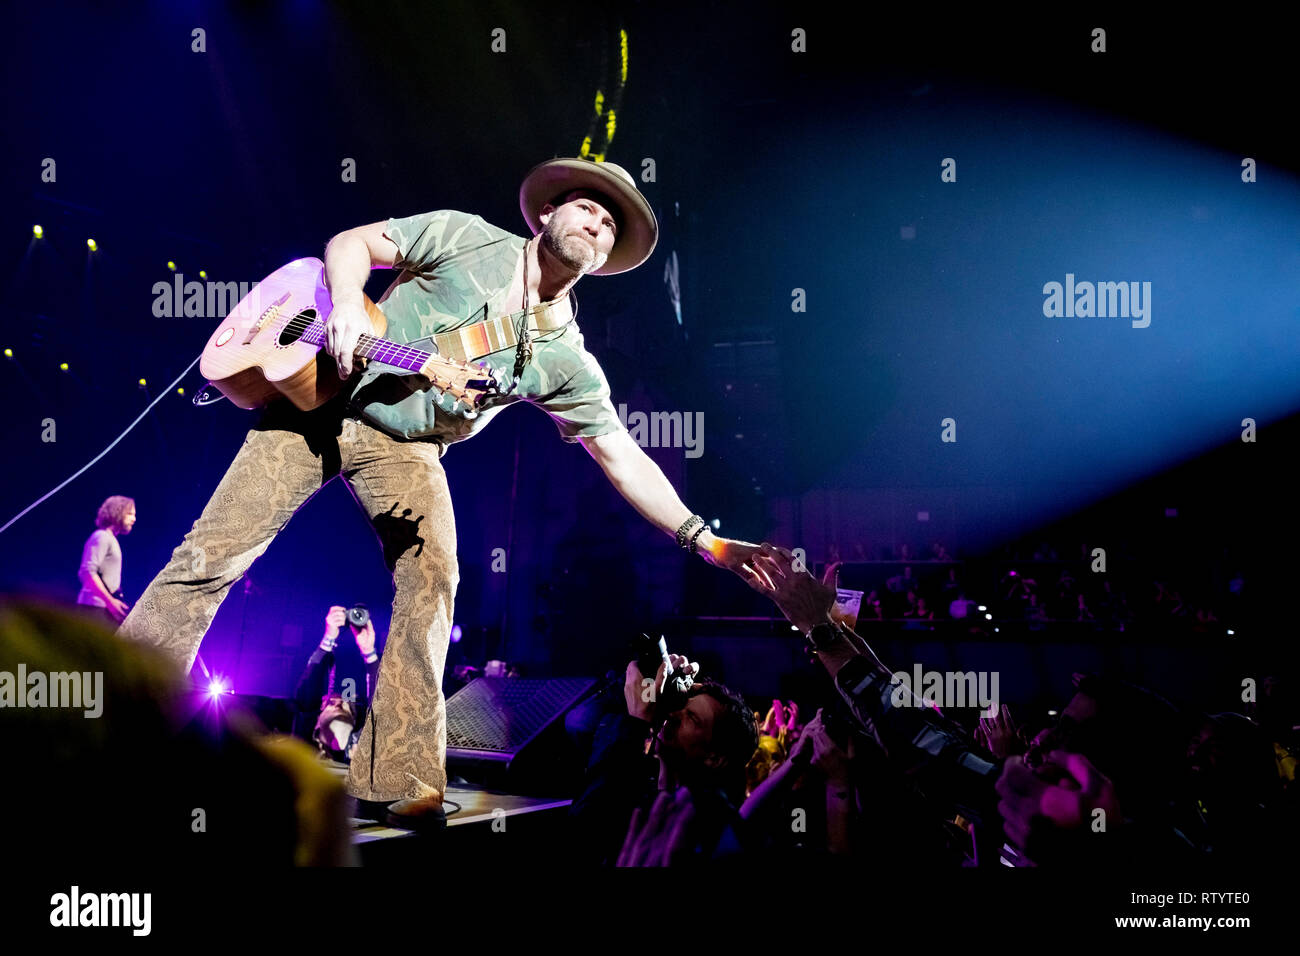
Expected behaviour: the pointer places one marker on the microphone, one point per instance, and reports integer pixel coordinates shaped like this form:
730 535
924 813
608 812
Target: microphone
672 695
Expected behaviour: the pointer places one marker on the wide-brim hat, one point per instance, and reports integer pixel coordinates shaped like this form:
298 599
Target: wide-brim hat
638 229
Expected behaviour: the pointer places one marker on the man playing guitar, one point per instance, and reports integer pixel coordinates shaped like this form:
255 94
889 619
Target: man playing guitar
101 558
385 433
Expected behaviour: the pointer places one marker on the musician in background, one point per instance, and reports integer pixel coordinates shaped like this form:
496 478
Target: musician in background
101 558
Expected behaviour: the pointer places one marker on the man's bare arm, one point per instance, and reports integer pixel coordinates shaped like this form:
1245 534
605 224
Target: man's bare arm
349 257
638 479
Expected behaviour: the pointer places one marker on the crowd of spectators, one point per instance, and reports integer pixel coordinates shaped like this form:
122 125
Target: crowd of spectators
1119 775
1116 775
1030 585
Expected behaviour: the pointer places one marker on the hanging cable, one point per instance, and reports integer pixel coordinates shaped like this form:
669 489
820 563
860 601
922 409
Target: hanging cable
50 494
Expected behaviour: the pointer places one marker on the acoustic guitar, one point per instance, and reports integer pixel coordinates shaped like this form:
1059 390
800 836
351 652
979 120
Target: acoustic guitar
270 345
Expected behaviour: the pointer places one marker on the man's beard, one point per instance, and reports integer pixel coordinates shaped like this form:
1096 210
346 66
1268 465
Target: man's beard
574 252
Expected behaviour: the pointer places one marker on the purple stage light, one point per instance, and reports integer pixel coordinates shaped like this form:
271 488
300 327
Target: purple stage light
455 633
216 687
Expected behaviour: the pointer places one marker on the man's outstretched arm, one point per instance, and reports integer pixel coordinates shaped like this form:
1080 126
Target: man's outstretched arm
647 489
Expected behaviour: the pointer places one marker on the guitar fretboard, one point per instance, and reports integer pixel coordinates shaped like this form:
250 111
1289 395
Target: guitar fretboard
371 347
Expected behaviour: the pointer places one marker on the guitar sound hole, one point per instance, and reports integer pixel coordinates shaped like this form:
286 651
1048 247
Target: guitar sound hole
295 328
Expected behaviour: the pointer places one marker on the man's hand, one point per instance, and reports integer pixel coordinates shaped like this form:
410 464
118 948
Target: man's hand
805 747
780 721
346 324
640 696
803 599
635 692
663 837
365 639
118 609
737 557
999 733
816 747
335 619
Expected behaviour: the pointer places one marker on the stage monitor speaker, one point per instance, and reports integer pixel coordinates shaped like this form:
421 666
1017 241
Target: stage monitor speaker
513 725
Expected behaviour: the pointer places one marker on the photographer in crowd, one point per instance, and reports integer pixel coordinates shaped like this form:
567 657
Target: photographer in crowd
680 752
328 718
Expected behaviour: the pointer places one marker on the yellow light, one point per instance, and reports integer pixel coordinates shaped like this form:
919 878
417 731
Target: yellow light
203 273
171 265
92 244
180 391
37 231
64 366
9 353
143 383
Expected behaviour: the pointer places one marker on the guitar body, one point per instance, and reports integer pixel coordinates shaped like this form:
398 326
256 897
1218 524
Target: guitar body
271 346
264 349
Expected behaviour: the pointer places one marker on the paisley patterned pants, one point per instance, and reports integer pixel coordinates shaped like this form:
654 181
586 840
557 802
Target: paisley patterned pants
402 487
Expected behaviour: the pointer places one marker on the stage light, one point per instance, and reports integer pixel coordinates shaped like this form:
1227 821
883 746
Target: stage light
142 383
37 231
794 627
9 353
203 273
456 633
1231 632
988 617
216 687
717 523
63 366
171 265
1051 713
180 391
92 244
982 608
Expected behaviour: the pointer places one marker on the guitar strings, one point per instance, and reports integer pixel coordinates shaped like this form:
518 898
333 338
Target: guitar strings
299 325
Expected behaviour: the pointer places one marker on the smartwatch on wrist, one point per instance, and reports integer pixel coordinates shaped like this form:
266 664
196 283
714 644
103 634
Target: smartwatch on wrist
822 636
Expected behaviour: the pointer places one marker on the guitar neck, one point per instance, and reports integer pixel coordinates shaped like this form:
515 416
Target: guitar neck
373 347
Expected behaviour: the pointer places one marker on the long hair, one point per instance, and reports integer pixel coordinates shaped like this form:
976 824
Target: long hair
111 511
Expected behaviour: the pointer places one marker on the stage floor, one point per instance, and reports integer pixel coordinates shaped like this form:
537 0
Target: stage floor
477 805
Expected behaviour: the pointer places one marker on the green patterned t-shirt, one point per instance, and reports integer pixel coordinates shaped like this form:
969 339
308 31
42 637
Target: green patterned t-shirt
453 264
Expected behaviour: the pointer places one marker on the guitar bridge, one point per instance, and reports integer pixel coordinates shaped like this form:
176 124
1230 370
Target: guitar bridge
271 312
